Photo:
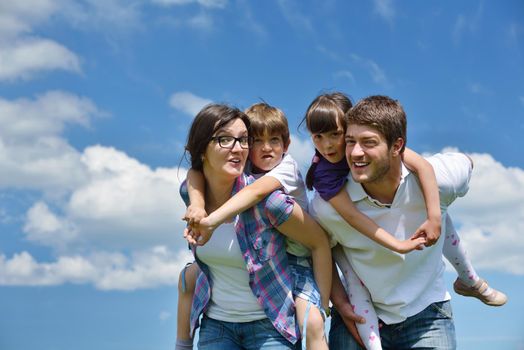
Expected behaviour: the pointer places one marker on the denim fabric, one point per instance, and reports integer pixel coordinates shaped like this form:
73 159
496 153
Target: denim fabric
304 286
432 328
263 248
256 335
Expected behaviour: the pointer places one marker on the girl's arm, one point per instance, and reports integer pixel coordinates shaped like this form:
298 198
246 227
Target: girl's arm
244 199
426 175
304 229
362 223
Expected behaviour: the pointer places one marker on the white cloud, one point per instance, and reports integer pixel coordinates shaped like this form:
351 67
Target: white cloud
32 153
44 227
203 21
121 204
479 89
296 19
204 3
125 203
492 216
385 9
24 58
375 71
333 55
164 315
46 115
149 268
18 17
104 16
345 74
302 151
188 102
249 20
514 33
467 24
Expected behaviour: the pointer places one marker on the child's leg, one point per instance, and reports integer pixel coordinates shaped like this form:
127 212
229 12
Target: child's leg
468 282
186 287
315 336
360 301
307 303
455 253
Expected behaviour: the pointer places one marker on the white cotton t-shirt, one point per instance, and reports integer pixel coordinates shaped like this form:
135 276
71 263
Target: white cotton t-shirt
232 300
288 174
401 285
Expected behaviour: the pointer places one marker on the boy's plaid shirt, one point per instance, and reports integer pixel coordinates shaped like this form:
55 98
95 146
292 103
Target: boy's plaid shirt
264 252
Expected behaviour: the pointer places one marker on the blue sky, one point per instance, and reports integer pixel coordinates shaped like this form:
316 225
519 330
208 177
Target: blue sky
96 97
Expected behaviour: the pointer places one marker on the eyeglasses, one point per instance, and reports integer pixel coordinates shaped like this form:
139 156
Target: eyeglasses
245 142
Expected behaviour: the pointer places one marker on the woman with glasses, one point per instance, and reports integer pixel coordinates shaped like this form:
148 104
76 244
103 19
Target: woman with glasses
244 287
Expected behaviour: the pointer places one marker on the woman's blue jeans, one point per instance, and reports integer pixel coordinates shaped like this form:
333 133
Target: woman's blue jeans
255 335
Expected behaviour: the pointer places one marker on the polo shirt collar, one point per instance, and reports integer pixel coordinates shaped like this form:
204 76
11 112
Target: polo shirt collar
357 192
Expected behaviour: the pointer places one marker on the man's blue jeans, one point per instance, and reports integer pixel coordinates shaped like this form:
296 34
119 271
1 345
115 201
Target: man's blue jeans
220 335
432 328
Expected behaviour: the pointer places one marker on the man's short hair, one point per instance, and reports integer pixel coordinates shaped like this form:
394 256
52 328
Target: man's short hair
267 120
383 114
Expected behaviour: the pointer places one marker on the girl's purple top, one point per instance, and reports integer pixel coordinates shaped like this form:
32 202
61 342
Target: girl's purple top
329 178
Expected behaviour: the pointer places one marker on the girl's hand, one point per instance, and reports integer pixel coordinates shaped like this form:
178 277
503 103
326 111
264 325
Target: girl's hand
414 243
431 229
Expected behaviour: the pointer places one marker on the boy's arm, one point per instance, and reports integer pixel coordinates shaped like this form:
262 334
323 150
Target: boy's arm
196 189
361 222
244 199
428 181
304 229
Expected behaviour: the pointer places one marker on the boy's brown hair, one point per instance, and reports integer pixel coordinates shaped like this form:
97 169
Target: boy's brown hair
267 120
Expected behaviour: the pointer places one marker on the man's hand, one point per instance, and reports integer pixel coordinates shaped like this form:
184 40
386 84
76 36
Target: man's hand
349 317
429 229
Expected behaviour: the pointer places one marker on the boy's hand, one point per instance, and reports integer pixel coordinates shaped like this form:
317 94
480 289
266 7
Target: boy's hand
194 214
200 233
430 229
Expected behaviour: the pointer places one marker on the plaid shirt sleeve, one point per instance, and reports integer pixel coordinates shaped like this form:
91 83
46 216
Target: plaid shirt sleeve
278 208
263 249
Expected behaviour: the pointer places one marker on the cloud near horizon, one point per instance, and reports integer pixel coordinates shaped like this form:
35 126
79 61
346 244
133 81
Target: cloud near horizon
489 218
187 102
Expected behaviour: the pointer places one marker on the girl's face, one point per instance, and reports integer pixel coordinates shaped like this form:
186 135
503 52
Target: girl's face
227 152
331 144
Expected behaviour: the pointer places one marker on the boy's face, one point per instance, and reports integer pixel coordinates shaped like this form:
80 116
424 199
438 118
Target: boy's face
267 152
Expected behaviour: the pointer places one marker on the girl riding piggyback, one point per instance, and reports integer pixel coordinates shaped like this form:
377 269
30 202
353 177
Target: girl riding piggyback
328 174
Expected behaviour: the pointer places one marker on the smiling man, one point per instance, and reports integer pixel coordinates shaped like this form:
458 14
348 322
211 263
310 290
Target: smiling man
406 290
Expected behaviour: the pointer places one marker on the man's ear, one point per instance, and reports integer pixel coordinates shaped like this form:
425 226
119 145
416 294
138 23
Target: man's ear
397 146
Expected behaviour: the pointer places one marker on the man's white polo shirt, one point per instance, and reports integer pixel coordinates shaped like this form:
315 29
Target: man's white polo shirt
401 285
